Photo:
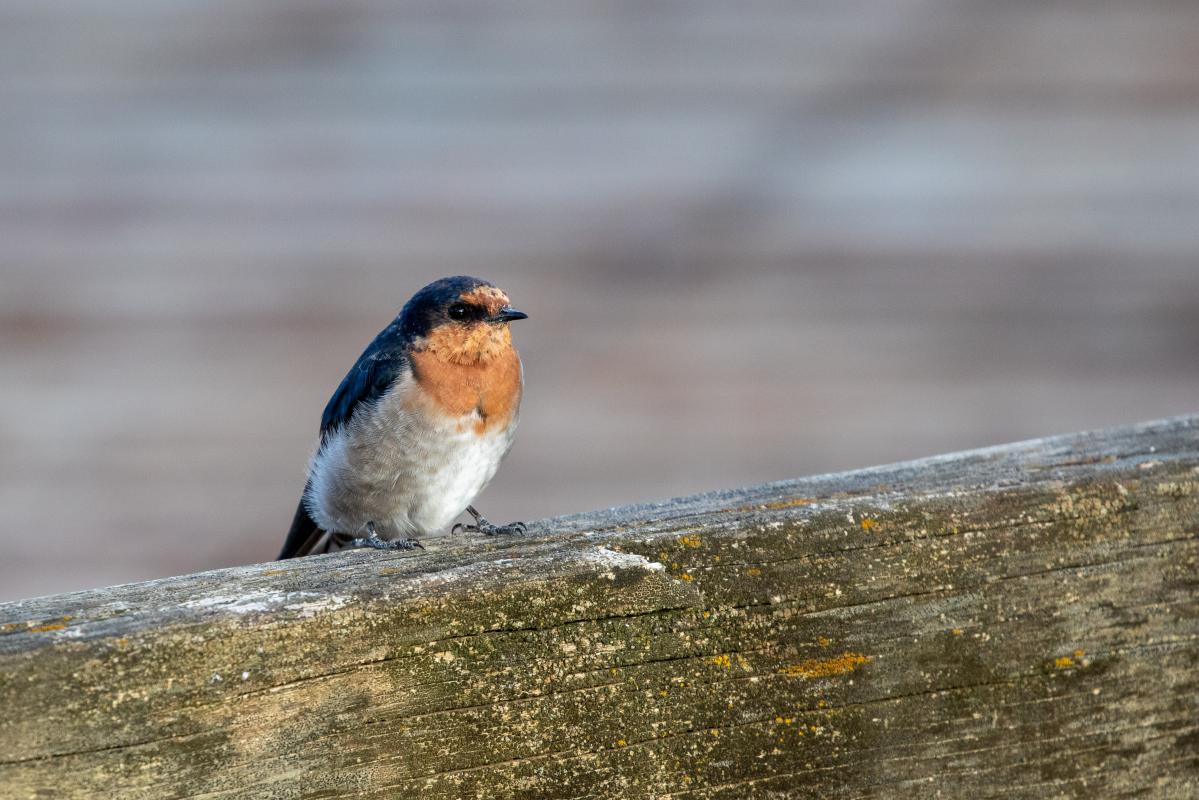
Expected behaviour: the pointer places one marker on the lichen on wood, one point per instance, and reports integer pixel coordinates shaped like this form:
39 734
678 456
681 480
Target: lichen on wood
1017 621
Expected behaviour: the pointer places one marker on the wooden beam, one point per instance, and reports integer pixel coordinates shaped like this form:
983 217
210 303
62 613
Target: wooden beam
1016 621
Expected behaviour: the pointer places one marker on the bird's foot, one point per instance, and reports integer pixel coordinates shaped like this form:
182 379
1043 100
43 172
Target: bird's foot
373 541
481 525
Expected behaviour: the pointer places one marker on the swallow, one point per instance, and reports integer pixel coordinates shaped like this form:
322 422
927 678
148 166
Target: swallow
417 427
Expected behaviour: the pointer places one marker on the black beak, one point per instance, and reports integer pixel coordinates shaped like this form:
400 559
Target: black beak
508 314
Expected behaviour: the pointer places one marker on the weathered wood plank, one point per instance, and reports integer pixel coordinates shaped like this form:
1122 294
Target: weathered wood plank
1018 621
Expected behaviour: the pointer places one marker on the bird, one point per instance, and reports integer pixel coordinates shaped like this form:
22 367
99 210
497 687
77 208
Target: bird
418 426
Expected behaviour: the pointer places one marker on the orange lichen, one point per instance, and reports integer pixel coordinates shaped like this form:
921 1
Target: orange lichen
794 502
823 668
689 541
721 661
870 524
687 577
34 626
1073 660
753 572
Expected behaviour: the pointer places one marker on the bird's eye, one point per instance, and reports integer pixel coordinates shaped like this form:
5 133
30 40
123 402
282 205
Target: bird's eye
459 311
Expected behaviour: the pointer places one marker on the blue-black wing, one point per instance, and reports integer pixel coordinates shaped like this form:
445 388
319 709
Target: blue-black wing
365 383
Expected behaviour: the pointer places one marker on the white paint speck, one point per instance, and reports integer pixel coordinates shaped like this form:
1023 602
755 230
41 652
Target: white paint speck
612 558
306 603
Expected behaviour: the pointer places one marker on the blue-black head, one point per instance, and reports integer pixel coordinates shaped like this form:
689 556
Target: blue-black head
460 301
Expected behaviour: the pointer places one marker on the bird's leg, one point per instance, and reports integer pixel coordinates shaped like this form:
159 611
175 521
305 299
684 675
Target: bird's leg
373 541
486 528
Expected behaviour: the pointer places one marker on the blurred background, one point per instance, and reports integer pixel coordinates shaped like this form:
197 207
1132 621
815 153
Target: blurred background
756 240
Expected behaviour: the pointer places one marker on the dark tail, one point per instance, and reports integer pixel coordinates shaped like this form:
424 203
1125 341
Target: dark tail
303 536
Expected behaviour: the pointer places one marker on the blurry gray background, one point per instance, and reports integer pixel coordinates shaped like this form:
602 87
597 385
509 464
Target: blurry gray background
756 240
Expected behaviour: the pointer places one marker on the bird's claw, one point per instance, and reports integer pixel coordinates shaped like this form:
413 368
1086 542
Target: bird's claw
487 529
481 525
373 541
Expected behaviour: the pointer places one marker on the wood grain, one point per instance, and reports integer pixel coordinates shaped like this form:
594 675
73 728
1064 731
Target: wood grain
1020 621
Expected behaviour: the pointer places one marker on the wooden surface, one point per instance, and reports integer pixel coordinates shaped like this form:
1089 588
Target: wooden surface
757 240
1020 621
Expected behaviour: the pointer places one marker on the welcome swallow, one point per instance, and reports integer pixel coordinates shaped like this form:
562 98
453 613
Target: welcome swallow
418 427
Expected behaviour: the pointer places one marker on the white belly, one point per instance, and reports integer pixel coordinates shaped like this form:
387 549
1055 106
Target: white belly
408 473
462 464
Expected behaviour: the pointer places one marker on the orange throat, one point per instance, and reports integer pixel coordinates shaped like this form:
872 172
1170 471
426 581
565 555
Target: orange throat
473 369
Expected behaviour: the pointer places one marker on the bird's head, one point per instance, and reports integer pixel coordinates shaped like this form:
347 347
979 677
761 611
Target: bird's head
461 320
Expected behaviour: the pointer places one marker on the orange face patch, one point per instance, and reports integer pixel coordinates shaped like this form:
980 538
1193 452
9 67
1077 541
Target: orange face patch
489 297
477 343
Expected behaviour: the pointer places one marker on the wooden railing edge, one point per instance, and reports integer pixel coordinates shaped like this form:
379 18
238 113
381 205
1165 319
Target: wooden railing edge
964 621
